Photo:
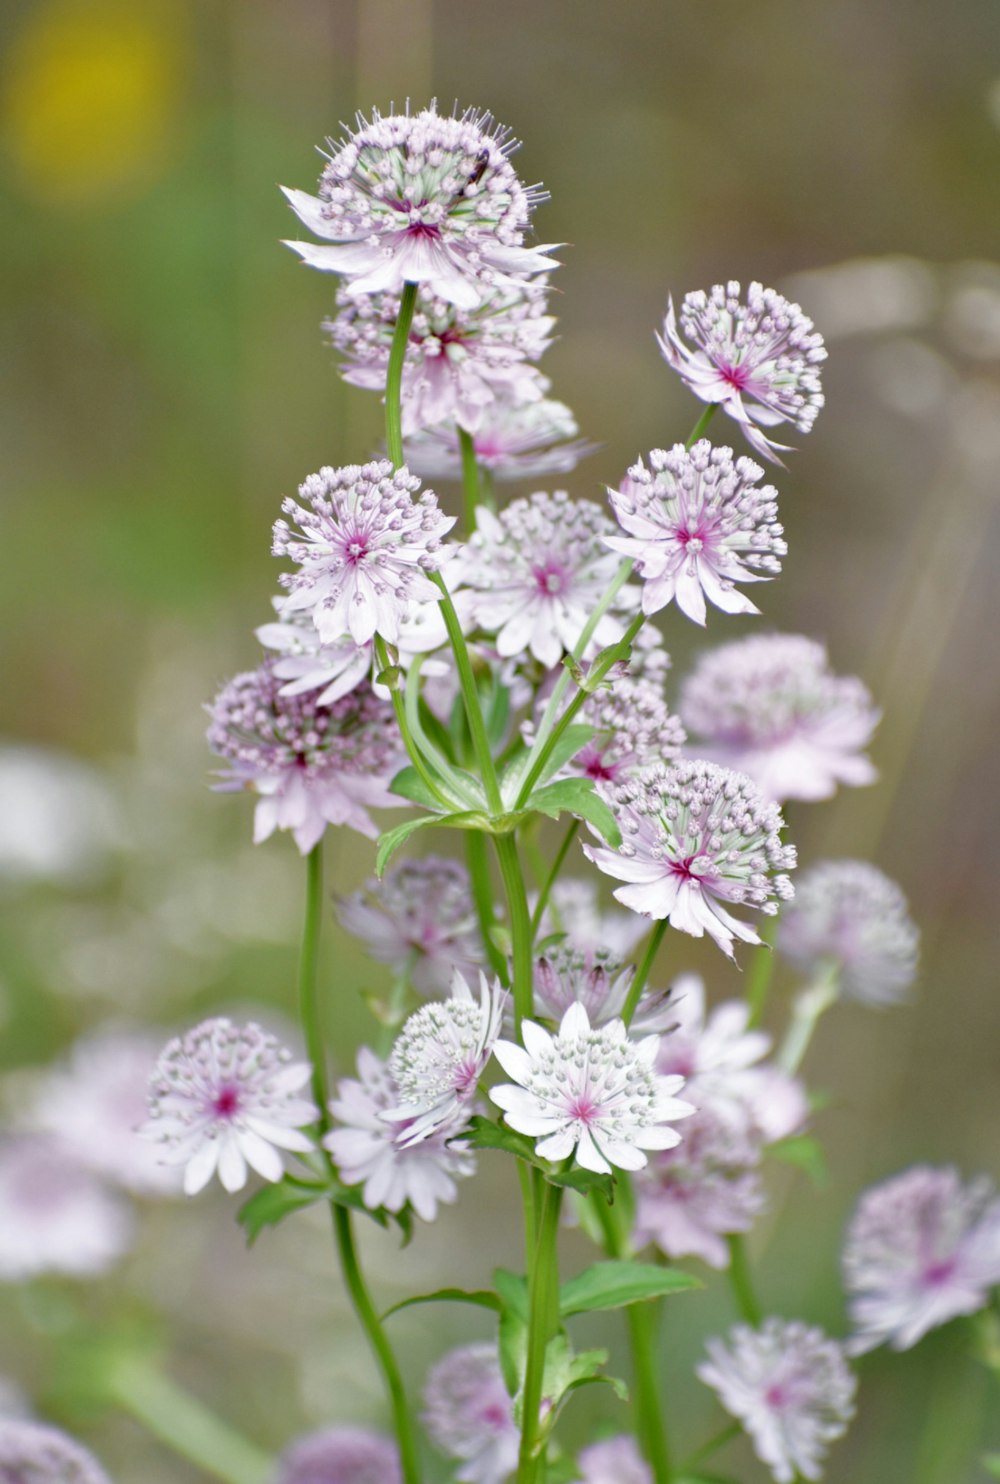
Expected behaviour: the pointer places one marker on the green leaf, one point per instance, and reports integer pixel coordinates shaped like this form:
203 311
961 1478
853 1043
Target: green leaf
615 1285
481 1297
576 796
270 1205
805 1152
512 1291
513 1329
389 843
497 712
408 784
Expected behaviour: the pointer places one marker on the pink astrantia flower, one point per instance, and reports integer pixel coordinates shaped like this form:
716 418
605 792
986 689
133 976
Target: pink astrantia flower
593 977
420 920
470 1416
633 727
530 440
304 663
770 706
312 765
459 362
592 1093
759 361
32 1453
223 1097
696 839
921 1248
614 1461
537 572
849 917
697 523
422 199
364 548
57 1216
371 1150
340 1455
791 1389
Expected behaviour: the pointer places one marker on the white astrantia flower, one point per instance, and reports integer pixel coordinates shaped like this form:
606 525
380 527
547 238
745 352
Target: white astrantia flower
633 727
530 440
370 1150
223 1097
921 1249
440 1055
304 663
469 1415
590 1093
34 1453
790 1387
614 1461
340 1455
57 1216
421 198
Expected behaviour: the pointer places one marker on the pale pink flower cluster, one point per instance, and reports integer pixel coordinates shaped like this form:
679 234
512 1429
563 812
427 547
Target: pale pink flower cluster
566 974
614 1461
340 1455
469 1415
514 441
58 1217
33 1453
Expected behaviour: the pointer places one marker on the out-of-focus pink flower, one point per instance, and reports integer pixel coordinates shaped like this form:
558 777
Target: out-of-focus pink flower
469 1414
614 1461
527 440
57 1216
32 1453
340 1455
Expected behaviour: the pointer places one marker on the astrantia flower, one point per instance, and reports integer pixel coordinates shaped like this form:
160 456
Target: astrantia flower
440 1055
31 1453
304 663
419 919
593 977
759 360
364 546
696 838
850 917
574 909
633 728
770 706
528 440
458 361
790 1388
223 1097
57 1217
370 1150
614 1461
538 571
592 1093
422 199
921 1248
697 523
469 1415
312 765
340 1455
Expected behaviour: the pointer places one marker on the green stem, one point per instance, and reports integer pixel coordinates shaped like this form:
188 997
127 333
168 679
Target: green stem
183 1424
394 376
520 927
412 751
642 1328
551 878
488 495
761 973
719 1440
809 1005
643 971
543 1300
470 697
698 431
482 896
742 1282
470 479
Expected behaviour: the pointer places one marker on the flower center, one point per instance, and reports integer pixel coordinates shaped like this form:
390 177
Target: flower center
226 1102
683 868
738 377
583 1108
550 578
936 1274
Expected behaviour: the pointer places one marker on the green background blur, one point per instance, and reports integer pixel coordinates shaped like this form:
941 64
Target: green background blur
165 382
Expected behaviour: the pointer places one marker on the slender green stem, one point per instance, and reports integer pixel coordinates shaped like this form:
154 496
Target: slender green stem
482 896
742 1282
550 880
642 1320
394 376
409 742
643 971
719 1440
470 479
183 1424
809 1005
698 431
487 490
761 973
520 927
308 1000
527 1178
543 1303
470 697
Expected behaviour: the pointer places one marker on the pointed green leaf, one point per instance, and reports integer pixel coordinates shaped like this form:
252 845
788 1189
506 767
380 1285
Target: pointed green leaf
272 1203
615 1285
576 796
803 1151
481 1297
512 1290
389 843
408 784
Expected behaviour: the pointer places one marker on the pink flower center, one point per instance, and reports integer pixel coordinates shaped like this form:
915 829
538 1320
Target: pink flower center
936 1274
738 377
776 1396
683 868
550 578
227 1102
583 1107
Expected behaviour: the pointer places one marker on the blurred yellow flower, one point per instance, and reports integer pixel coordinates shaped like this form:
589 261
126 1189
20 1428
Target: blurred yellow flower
89 96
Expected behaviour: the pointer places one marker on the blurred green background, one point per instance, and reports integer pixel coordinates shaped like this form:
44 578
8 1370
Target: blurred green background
165 382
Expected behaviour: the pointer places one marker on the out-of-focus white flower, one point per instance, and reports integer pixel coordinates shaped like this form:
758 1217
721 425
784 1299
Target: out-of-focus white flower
371 1150
589 1093
697 523
32 1453
614 1461
759 360
566 975
57 1217
469 1414
304 663
770 706
222 1097
574 909
530 440
848 916
921 1248
790 1387
340 1455
58 817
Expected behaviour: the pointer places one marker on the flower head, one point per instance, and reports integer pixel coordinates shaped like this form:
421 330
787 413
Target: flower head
697 523
459 362
470 1416
759 360
614 1461
592 1093
538 570
593 977
789 1386
921 1248
340 1455
417 198
312 765
304 663
695 839
223 1097
848 915
419 919
32 1453
633 727
370 1149
770 706
57 1216
364 546
514 440
440 1055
